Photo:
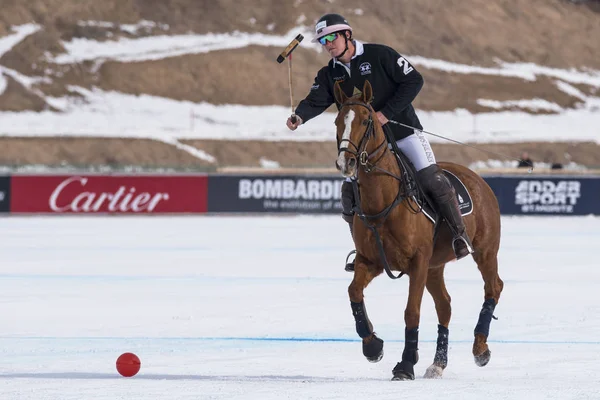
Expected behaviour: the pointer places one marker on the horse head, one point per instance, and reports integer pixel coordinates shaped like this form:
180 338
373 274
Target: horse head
356 125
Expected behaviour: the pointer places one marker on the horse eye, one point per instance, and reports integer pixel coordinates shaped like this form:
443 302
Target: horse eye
365 122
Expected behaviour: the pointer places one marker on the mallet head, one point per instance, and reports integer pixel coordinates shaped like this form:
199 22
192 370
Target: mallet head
288 50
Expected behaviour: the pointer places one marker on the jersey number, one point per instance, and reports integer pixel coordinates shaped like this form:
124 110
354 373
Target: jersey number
406 68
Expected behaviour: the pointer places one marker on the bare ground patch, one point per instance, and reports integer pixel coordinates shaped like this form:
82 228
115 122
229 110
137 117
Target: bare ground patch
216 76
16 97
95 152
151 154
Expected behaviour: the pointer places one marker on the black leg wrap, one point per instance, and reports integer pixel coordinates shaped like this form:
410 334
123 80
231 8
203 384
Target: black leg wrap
441 352
485 317
362 321
405 369
411 346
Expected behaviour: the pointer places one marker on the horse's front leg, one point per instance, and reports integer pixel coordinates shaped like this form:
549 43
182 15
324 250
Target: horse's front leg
364 273
404 370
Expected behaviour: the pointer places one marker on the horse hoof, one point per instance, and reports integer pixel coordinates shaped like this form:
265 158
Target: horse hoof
433 372
403 377
373 349
484 358
375 359
404 371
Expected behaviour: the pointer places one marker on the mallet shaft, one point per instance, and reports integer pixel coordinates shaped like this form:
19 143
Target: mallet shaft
287 53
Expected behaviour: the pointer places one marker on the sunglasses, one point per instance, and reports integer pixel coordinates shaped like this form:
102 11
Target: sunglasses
328 38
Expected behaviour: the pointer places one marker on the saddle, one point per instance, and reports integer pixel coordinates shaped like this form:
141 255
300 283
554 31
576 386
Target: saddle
411 188
465 201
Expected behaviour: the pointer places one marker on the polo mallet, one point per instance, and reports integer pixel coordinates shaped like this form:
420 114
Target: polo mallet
287 53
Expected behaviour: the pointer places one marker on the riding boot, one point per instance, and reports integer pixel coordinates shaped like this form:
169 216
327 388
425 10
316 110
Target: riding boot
348 216
461 244
349 263
439 188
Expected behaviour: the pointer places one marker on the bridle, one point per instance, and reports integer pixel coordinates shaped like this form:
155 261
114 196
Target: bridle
359 151
365 160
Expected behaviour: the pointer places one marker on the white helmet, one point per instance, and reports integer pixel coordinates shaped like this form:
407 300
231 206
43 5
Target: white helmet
330 23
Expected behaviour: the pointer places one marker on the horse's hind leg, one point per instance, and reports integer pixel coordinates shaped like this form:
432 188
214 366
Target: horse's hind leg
371 344
437 288
487 262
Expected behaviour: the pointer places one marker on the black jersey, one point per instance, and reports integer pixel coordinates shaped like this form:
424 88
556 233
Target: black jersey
395 84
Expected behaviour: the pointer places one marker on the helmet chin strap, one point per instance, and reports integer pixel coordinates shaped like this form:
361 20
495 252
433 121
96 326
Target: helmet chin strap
346 49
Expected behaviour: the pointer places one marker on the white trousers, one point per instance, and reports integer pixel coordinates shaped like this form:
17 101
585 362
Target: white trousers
418 150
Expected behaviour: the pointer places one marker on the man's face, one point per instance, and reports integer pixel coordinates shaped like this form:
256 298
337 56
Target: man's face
334 43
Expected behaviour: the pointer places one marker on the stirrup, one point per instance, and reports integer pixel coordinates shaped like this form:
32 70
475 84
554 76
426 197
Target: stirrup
464 251
350 265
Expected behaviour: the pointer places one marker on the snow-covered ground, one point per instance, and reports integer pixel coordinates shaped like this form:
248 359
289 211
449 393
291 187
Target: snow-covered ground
257 308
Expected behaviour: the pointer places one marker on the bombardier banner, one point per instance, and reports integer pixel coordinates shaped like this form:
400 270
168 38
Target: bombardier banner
281 193
88 194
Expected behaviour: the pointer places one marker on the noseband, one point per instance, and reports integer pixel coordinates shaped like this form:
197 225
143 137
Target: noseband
359 151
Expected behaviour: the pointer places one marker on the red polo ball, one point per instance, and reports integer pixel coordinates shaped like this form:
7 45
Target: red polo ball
128 364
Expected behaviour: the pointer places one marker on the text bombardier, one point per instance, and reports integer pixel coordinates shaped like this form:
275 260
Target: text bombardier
301 189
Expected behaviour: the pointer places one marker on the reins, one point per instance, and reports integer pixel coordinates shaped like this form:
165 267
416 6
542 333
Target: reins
364 160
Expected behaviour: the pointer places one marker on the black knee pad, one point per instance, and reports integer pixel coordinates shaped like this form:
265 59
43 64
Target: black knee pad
347 199
434 181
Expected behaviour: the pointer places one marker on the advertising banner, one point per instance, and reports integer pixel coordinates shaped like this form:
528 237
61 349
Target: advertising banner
542 195
517 195
284 193
278 194
122 194
4 194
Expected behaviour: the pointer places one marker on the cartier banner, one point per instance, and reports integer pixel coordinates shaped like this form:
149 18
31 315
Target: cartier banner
87 194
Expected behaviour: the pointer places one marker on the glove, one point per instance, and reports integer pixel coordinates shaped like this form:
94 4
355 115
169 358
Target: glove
293 122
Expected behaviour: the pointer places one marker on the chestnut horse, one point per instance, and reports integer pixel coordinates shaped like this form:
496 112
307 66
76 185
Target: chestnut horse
391 232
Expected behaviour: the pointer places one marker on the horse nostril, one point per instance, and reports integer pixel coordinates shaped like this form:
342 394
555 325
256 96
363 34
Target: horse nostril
352 162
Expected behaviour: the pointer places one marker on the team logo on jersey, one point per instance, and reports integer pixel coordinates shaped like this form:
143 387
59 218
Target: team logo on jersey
365 68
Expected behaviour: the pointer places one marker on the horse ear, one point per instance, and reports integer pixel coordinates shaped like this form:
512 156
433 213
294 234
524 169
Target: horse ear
367 92
339 94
